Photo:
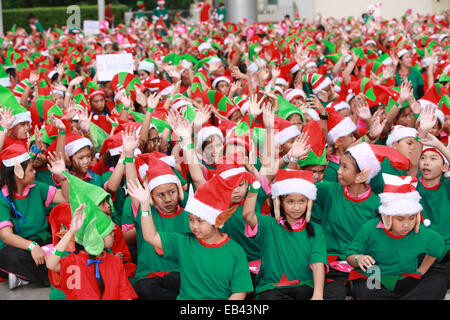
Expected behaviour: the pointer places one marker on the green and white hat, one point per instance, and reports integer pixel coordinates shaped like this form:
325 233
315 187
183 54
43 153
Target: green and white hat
7 99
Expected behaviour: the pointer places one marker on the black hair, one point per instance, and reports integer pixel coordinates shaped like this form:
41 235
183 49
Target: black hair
309 226
100 282
31 16
7 179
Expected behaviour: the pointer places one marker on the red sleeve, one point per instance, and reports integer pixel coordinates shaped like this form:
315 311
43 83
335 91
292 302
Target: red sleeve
121 246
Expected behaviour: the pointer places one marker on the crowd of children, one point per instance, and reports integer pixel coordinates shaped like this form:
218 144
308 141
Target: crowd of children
270 161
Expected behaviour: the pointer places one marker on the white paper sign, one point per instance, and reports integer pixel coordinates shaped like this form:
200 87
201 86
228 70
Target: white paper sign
110 64
91 27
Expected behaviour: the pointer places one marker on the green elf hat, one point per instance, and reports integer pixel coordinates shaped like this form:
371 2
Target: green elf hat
317 156
44 90
97 225
444 105
8 100
224 105
4 77
140 4
286 109
42 110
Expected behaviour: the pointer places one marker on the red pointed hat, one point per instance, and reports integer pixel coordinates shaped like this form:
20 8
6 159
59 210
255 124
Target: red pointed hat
338 126
286 130
12 153
159 173
232 168
294 181
143 161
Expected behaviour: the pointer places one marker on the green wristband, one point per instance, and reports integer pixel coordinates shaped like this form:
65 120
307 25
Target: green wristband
416 115
114 124
32 156
57 253
62 132
356 259
128 159
151 110
32 245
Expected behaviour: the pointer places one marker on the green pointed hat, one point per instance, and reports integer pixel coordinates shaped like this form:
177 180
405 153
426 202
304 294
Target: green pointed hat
317 156
4 77
8 100
97 225
286 109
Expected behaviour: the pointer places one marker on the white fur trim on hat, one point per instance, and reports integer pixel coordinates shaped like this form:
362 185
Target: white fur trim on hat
342 129
11 162
75 146
281 81
288 133
146 66
21 117
397 204
221 78
163 179
167 90
366 159
202 210
402 52
5 82
295 93
313 114
232 172
205 133
290 186
325 83
341 105
311 65
399 133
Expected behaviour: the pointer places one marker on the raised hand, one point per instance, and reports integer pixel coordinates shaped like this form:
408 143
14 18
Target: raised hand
78 218
85 121
38 138
428 118
130 141
57 123
255 105
139 192
377 126
300 147
56 164
153 100
268 116
203 115
362 107
7 118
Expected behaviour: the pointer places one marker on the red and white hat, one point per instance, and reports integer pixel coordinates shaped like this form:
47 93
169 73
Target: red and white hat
370 156
402 51
317 81
160 173
292 94
427 148
114 145
75 142
294 181
339 105
286 130
400 132
399 196
221 78
163 86
338 126
206 132
211 201
232 168
143 161
12 153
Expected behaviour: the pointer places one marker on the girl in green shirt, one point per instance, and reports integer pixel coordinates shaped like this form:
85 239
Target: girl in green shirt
293 250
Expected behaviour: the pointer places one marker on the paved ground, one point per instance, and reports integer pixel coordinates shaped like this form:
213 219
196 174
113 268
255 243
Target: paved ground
31 292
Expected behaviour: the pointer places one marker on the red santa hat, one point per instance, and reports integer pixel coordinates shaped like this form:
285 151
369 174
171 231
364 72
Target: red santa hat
399 198
211 201
400 132
160 173
75 142
232 168
293 181
339 105
114 145
338 126
292 94
370 156
286 130
206 132
14 153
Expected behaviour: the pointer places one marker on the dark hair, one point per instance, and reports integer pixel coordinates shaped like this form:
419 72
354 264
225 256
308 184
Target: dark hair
7 179
31 16
100 282
309 226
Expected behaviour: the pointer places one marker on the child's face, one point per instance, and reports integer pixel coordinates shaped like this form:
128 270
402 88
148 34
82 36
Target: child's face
105 206
402 225
406 118
200 228
294 205
318 172
213 150
166 197
296 120
98 103
81 160
405 146
345 112
431 165
446 126
30 174
20 131
236 116
109 240
223 87
347 170
239 193
343 143
436 130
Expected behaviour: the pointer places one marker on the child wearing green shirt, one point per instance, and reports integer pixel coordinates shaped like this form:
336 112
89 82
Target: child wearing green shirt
212 266
395 249
293 249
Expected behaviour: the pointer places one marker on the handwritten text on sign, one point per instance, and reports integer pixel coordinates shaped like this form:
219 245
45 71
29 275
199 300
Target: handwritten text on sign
110 64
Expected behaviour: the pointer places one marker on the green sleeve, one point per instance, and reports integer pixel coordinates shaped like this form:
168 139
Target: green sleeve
171 243
241 281
319 247
127 212
435 245
360 241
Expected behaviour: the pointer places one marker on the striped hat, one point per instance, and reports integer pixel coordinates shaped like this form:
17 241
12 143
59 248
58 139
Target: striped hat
317 81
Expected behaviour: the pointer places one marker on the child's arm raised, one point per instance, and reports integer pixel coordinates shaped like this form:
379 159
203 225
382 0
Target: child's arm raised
142 194
248 212
53 261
